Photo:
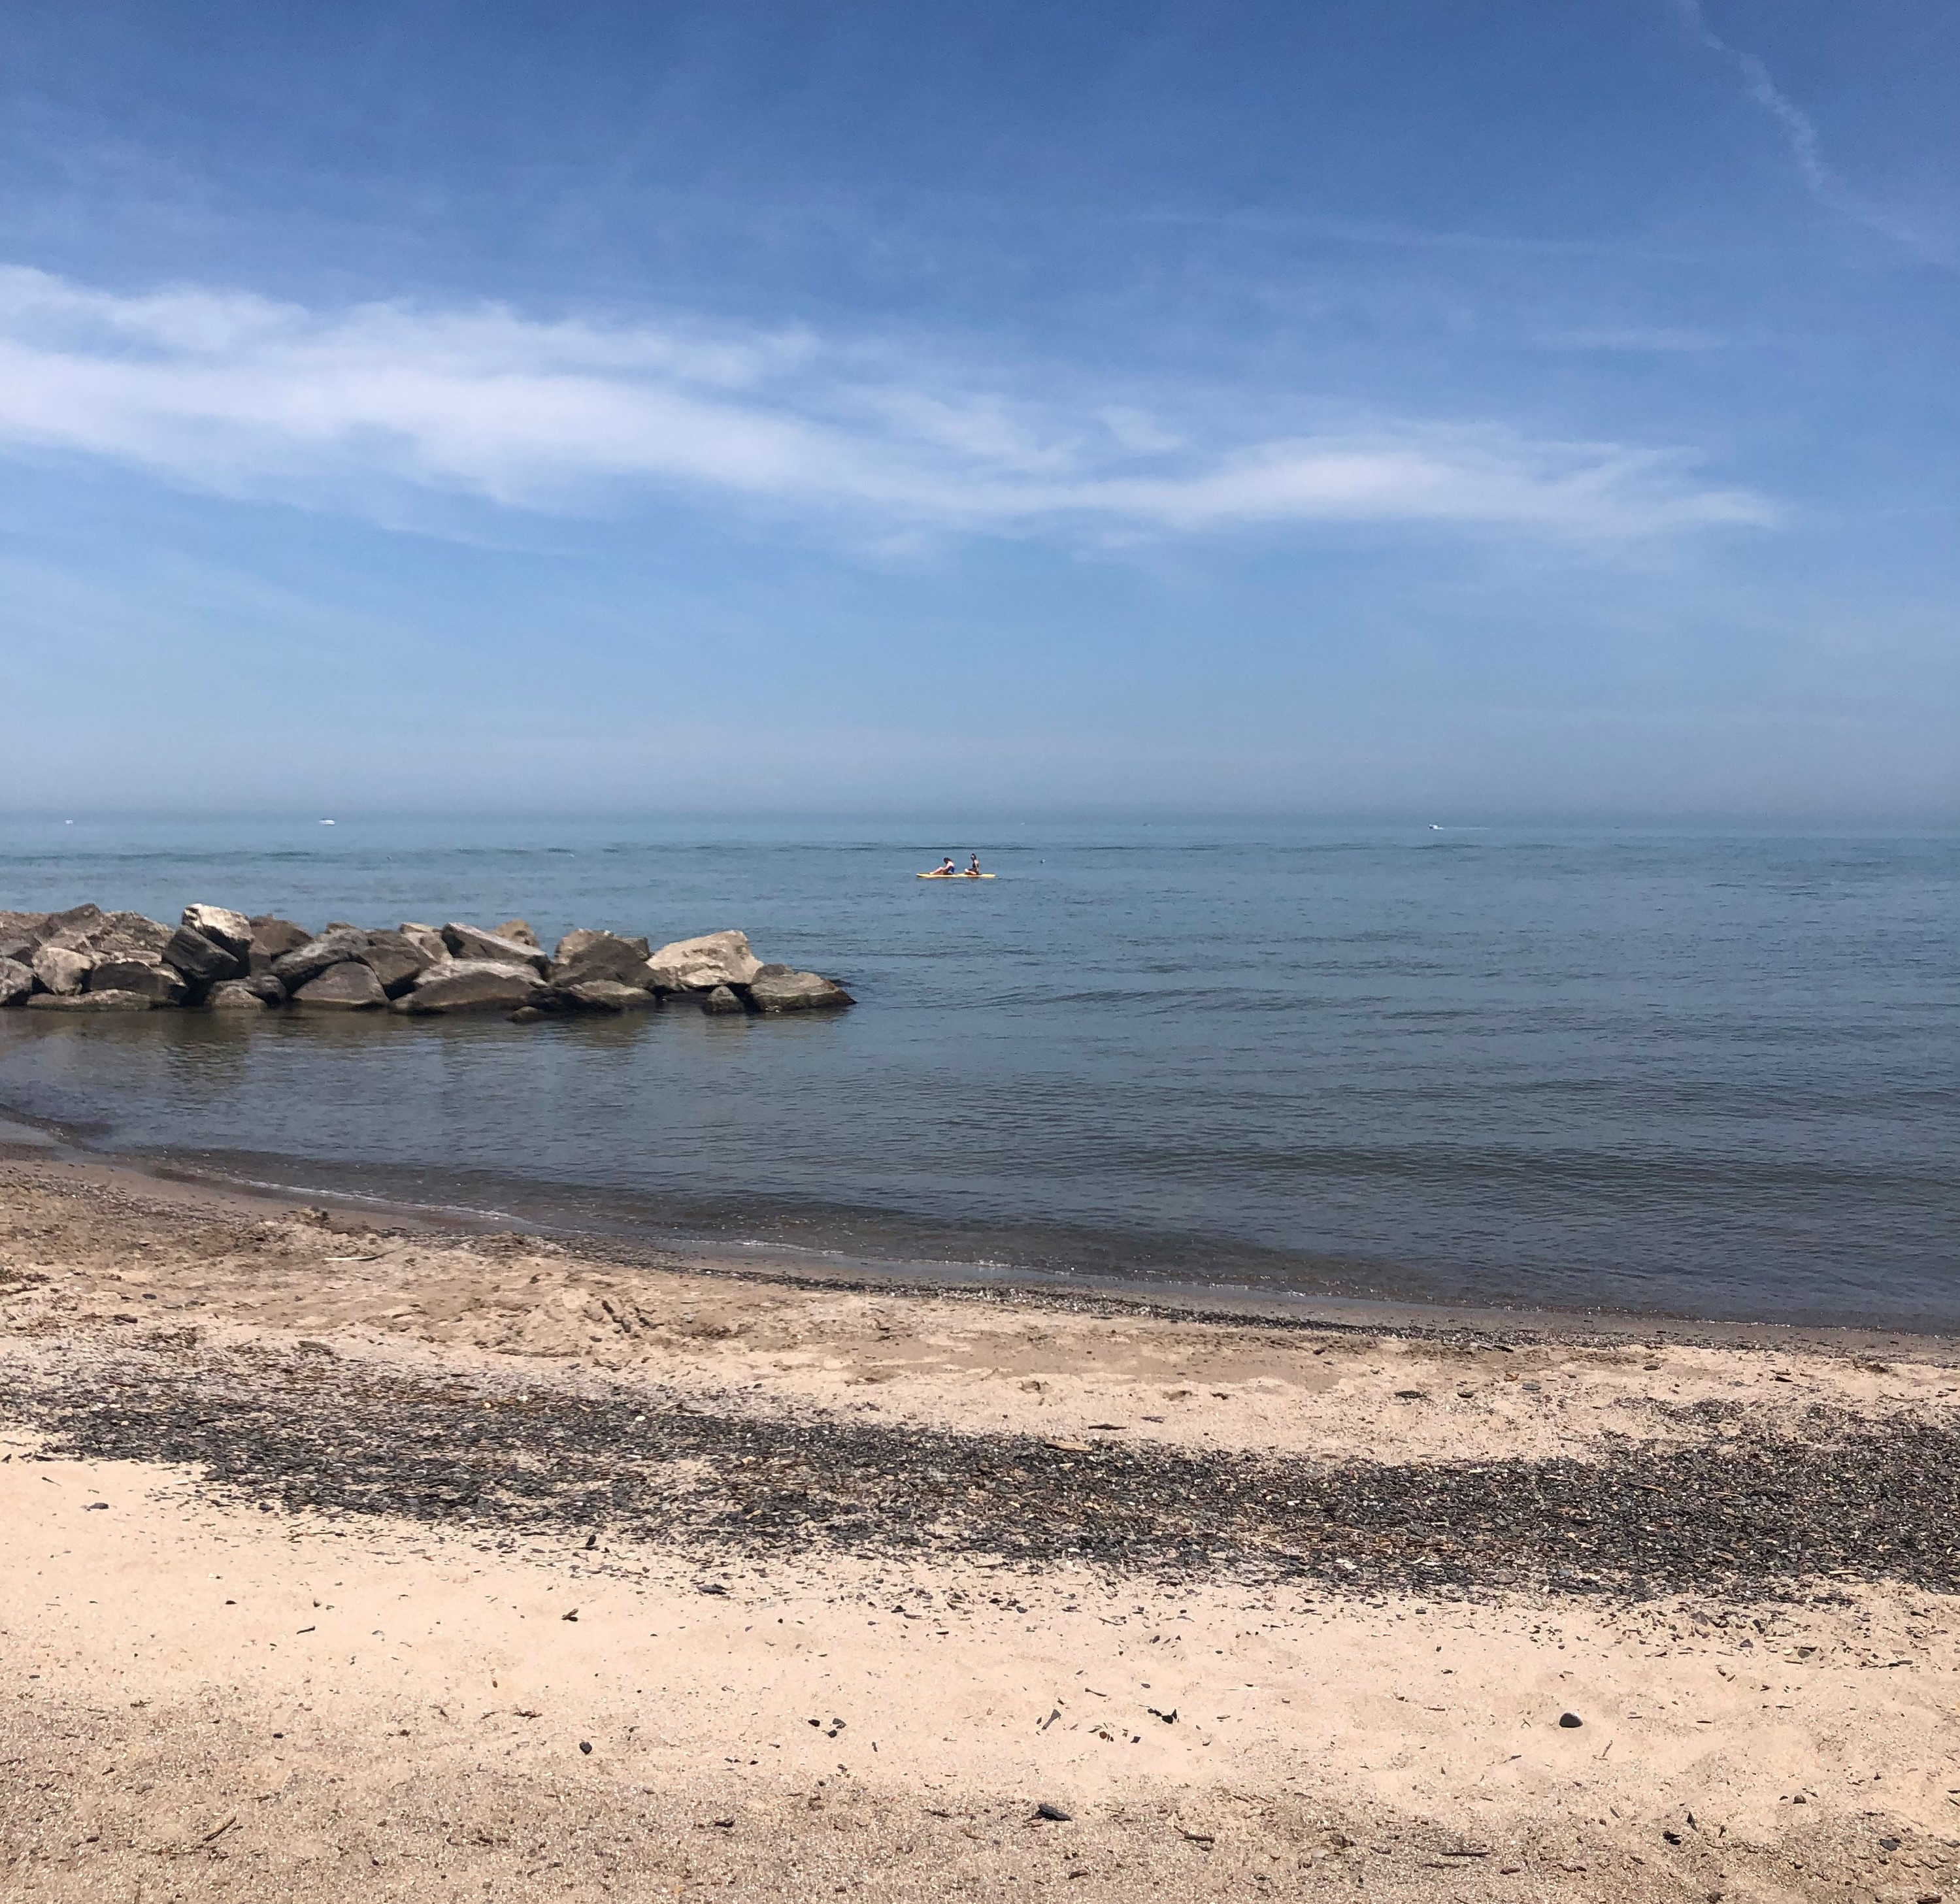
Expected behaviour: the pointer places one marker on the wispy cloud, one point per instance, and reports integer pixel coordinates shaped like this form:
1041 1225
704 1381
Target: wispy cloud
233 394
1666 340
1806 147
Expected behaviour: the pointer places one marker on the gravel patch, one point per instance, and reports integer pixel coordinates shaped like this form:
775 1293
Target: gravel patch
1746 1515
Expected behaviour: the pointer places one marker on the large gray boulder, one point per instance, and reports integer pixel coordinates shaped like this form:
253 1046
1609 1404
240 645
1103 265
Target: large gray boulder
118 935
79 919
236 995
700 964
232 930
305 963
776 988
469 942
16 981
585 957
89 1001
573 943
20 932
519 932
429 938
396 960
263 985
149 977
68 930
273 937
722 999
601 995
348 987
61 970
201 960
472 985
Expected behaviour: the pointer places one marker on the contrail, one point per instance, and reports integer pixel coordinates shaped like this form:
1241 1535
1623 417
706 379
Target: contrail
1805 146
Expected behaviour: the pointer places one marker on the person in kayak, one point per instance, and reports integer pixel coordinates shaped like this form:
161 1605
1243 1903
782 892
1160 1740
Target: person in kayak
973 866
947 865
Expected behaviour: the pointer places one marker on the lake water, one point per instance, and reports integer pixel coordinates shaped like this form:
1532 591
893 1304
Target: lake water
1705 1074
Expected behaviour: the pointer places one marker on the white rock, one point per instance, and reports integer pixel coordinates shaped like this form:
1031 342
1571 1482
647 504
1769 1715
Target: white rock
16 981
222 926
470 968
700 964
61 970
470 943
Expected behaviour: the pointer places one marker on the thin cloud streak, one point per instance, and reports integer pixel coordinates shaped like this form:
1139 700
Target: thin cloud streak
235 394
1806 147
1667 340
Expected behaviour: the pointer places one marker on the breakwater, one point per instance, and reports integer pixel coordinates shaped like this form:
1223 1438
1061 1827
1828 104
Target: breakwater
84 959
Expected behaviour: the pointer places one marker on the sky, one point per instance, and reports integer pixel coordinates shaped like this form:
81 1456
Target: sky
1388 409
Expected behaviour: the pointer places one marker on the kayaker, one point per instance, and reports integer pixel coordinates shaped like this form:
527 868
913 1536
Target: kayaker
973 866
947 866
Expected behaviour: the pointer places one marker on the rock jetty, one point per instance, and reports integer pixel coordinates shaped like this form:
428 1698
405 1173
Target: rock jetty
87 960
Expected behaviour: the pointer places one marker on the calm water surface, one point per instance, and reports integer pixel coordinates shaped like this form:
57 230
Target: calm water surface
1714 1075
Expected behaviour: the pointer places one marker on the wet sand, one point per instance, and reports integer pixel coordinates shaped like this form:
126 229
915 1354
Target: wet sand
300 1508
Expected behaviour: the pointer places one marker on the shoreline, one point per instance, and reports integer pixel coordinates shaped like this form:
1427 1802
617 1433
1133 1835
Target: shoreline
798 1266
352 1555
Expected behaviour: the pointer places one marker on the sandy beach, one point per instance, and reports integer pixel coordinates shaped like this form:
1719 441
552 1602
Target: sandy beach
348 1557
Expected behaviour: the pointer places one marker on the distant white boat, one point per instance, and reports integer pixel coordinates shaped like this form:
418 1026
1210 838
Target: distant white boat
326 822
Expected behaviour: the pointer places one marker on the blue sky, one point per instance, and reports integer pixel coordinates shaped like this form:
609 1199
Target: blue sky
1382 408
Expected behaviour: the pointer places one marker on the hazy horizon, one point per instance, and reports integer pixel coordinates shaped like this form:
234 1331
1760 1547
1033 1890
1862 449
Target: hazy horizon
819 827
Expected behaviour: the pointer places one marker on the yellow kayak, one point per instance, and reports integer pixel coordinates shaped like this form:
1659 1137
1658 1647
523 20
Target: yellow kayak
959 875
